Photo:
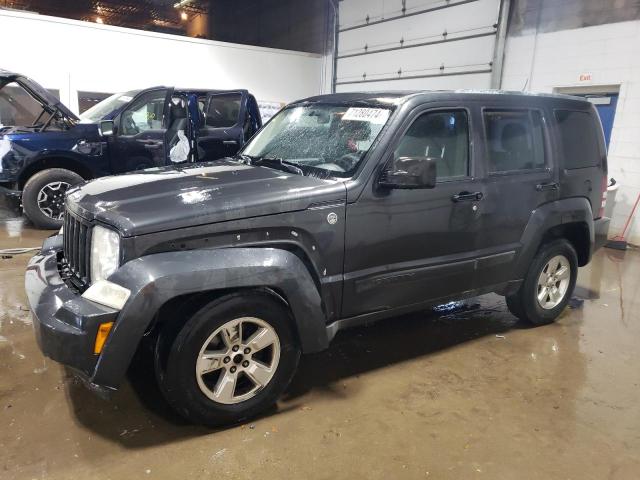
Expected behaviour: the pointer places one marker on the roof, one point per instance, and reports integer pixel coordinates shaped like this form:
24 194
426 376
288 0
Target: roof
400 96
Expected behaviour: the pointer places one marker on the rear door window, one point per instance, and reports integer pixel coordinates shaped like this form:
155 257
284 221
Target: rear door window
515 140
579 139
223 110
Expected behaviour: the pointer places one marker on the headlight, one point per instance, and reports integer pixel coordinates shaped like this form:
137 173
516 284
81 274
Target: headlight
105 253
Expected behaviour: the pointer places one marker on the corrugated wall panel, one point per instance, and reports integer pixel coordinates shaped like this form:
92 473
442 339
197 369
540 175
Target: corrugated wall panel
428 45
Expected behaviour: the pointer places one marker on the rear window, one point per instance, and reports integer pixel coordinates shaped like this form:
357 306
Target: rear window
579 139
515 140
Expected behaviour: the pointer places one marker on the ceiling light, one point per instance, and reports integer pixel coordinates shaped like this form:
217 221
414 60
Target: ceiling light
184 16
99 20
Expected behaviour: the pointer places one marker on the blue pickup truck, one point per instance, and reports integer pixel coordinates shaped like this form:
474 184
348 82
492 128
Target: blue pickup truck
45 148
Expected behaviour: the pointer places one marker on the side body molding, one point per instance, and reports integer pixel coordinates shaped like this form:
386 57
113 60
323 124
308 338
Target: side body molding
157 278
549 215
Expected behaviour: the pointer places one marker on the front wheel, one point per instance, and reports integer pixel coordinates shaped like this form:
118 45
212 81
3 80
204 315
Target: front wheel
548 285
43 196
230 361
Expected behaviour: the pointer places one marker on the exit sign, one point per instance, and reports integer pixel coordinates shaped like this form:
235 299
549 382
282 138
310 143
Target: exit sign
585 77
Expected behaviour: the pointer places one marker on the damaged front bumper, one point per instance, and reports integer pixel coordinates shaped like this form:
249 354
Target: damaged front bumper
65 323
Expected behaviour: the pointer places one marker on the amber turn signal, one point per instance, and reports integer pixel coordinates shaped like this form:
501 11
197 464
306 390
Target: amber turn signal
103 332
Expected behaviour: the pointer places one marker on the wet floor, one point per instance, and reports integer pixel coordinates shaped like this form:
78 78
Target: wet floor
459 393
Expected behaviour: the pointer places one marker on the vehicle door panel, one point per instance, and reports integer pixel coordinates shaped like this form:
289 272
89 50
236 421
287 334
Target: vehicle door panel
512 194
410 246
222 133
140 138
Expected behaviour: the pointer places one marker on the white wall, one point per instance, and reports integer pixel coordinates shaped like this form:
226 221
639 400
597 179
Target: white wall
463 20
73 56
611 54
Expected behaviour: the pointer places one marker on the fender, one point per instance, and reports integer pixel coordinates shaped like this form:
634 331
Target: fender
70 160
549 215
155 279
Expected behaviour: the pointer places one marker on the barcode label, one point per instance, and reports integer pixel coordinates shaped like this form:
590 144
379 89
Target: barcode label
371 115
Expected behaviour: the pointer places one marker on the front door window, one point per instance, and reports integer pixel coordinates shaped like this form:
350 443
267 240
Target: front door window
145 113
440 135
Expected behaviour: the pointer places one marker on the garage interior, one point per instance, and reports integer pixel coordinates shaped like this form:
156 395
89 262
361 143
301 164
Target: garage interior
461 390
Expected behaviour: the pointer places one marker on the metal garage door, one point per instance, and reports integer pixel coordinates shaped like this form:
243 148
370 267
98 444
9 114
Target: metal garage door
418 44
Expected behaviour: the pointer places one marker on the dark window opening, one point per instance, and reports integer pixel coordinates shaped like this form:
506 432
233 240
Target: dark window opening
86 100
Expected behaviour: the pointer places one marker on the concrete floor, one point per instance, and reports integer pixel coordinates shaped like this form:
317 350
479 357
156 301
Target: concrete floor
461 393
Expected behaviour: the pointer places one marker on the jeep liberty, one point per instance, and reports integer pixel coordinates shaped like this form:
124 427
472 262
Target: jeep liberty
343 209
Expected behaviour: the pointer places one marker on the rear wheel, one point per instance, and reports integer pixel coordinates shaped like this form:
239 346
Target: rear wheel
548 285
43 196
230 361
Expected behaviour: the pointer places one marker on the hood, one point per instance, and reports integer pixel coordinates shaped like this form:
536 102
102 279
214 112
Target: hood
169 198
37 91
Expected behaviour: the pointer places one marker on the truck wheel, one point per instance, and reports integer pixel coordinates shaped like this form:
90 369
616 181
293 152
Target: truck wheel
230 361
548 285
43 196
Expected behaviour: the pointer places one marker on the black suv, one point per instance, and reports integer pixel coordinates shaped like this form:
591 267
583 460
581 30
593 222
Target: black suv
343 209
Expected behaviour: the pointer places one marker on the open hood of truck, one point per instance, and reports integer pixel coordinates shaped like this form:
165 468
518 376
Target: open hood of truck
168 198
38 92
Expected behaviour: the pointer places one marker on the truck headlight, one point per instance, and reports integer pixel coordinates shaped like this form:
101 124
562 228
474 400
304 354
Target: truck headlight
105 253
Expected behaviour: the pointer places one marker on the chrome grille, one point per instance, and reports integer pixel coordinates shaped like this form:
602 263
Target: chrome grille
76 247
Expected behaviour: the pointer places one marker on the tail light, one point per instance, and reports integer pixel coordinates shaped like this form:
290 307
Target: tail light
603 192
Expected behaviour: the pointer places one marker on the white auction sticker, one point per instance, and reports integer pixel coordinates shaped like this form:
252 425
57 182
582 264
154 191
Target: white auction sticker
371 115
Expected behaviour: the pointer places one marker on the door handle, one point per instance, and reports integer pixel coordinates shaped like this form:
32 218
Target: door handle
230 142
467 197
541 187
151 144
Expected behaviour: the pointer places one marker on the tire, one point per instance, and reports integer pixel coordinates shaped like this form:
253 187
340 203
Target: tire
525 304
193 395
53 183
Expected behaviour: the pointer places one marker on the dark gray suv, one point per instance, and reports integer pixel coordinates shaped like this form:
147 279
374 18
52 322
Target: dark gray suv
343 209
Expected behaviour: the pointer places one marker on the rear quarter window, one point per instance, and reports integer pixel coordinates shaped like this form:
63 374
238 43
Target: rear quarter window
578 139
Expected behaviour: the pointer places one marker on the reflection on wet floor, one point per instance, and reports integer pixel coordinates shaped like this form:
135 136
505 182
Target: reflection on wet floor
459 391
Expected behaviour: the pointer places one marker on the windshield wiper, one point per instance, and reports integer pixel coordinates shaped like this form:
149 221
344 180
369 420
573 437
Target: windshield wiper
277 163
245 158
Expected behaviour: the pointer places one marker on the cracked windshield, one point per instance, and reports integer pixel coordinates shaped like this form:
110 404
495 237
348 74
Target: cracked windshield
319 138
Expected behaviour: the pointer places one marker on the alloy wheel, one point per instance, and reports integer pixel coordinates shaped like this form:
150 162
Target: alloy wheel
553 282
238 360
51 199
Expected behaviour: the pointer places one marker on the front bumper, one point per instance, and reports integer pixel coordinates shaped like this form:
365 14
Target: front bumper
65 323
601 232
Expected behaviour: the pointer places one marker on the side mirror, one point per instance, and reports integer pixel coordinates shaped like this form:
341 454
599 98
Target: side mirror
409 172
106 128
